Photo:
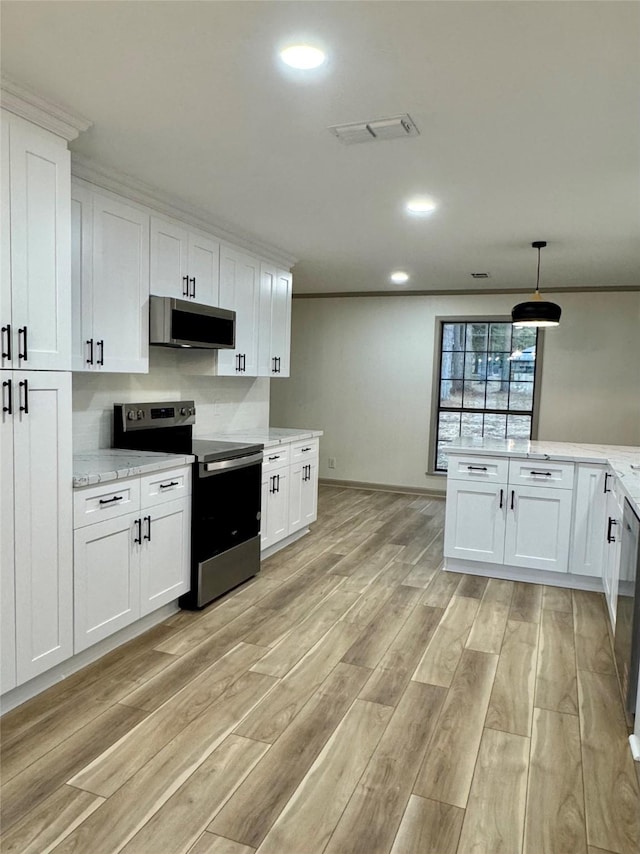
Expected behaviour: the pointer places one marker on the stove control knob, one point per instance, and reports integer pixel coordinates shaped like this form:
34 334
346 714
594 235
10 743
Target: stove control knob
184 411
192 410
131 415
140 414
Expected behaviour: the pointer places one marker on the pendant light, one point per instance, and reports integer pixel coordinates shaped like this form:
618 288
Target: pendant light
536 312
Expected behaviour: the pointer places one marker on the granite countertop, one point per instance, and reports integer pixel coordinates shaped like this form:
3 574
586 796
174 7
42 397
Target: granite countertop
624 460
110 464
270 437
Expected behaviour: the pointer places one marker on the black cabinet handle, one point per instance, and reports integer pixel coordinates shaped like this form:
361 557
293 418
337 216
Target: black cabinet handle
513 499
147 536
111 500
25 384
307 473
22 354
542 473
477 468
275 457
185 286
304 450
9 407
138 537
100 359
193 282
610 537
167 485
90 345
606 481
277 483
244 362
272 484
279 361
7 329
273 368
501 499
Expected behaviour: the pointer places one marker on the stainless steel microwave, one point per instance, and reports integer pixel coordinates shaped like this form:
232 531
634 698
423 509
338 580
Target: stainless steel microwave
181 323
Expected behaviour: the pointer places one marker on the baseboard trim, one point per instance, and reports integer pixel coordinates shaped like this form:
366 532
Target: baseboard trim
531 576
281 544
383 487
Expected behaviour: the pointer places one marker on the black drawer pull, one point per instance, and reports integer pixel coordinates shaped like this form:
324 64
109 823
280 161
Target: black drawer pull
304 450
100 359
193 282
501 498
542 473
185 286
606 481
271 459
513 499
7 354
25 385
167 485
9 407
111 500
610 537
90 344
138 536
477 468
22 330
147 536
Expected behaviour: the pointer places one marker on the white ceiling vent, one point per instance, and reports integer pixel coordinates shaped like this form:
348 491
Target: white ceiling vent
394 127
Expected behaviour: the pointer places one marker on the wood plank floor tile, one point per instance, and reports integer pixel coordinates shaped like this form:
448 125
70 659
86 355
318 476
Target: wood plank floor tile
511 705
447 770
556 599
440 660
428 827
368 603
122 815
209 843
526 603
121 761
179 823
494 818
593 646
441 588
35 784
271 717
419 576
40 830
251 812
376 637
307 821
612 798
472 586
556 685
371 568
390 678
490 623
371 818
555 799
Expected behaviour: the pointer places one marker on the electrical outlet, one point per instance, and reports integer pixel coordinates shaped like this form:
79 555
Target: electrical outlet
332 462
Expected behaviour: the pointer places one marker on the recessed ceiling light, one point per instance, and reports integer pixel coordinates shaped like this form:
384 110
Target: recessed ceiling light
303 56
399 277
421 205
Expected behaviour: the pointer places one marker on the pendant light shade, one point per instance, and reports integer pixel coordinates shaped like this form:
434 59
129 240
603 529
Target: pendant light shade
536 312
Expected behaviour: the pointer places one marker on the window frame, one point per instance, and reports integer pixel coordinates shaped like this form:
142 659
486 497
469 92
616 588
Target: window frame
439 321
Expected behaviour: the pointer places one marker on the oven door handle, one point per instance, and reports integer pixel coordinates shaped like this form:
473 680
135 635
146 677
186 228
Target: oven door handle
209 469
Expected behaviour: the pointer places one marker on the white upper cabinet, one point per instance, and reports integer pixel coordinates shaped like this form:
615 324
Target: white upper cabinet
35 295
110 283
240 292
275 321
184 263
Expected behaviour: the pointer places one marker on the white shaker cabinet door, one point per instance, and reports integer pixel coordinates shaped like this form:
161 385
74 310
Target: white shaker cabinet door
281 324
204 269
538 528
120 286
475 521
267 288
43 520
169 259
587 551
165 554
107 578
295 497
40 247
7 557
83 355
240 292
6 336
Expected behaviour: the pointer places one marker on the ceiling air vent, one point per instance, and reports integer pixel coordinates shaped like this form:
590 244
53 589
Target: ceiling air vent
481 275
395 127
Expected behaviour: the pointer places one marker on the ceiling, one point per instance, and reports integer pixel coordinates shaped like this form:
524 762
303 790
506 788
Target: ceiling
528 117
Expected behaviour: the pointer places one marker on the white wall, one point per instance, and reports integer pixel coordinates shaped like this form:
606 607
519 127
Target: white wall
222 403
362 370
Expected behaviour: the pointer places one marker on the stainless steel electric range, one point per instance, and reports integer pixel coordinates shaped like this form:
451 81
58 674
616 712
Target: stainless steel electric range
226 493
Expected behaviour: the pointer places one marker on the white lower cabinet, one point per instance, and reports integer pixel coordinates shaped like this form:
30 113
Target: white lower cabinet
133 561
611 558
303 495
35 524
274 522
589 507
475 521
538 528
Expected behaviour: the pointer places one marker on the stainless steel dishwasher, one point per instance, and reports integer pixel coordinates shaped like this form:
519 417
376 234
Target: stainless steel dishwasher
627 632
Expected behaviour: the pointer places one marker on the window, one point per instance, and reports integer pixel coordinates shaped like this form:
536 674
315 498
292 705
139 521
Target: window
486 383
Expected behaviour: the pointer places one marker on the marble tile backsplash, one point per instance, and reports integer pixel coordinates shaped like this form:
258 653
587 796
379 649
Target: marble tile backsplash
223 404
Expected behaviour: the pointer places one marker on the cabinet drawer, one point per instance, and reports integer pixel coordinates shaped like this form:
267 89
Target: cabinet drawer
536 473
164 486
105 501
480 469
304 450
276 457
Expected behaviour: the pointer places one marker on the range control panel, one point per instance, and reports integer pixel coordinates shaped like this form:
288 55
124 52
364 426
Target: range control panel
137 416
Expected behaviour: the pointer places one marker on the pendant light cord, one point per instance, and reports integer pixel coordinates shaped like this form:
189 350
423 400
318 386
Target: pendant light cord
538 274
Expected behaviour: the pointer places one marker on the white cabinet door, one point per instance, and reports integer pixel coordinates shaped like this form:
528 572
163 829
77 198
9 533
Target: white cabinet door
265 540
164 558
267 288
281 324
475 521
204 269
296 486
120 286
169 259
310 492
240 291
611 570
538 528
7 556
587 550
43 521
6 336
107 579
40 247
279 505
83 355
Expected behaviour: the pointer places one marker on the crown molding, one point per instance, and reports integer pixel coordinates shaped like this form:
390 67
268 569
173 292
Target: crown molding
27 104
87 169
451 292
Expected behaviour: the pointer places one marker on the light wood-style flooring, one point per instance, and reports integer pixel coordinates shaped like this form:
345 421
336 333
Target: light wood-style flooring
352 699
